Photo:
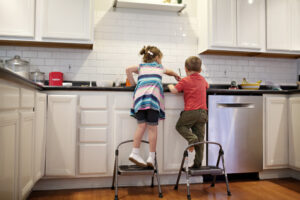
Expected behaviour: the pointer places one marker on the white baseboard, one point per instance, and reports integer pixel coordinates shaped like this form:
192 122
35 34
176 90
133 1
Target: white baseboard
105 182
279 173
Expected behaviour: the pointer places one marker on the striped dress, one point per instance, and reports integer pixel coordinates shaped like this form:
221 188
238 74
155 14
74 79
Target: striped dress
149 93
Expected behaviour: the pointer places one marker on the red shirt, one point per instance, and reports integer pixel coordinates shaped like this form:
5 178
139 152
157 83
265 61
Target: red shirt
194 89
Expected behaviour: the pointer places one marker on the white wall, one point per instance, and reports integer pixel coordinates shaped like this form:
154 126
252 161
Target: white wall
120 34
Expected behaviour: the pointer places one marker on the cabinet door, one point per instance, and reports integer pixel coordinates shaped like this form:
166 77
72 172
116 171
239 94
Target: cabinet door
93 158
295 25
124 129
67 19
26 153
278 25
250 15
223 23
40 136
8 154
61 135
17 18
275 132
173 143
294 132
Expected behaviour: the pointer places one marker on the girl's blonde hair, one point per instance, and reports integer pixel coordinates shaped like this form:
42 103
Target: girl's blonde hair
150 53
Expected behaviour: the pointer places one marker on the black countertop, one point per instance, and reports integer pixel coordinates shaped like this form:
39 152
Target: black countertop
216 89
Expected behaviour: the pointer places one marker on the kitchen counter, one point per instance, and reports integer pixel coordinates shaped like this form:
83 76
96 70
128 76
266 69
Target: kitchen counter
214 88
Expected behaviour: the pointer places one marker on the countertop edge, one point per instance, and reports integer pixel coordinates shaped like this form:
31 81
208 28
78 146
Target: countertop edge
9 75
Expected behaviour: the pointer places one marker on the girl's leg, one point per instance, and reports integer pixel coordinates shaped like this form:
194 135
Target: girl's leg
152 136
138 135
135 154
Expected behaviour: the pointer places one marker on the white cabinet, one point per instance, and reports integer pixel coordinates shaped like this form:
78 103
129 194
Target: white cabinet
250 23
62 21
40 135
9 97
17 18
67 19
223 27
26 146
295 25
93 135
174 144
231 25
278 24
93 158
8 154
283 26
61 135
294 132
124 128
275 131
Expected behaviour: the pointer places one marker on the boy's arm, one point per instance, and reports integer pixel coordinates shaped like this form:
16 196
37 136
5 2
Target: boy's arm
172 89
129 71
172 73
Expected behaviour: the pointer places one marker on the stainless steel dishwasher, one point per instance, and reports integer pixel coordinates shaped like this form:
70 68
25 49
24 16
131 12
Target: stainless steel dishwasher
236 123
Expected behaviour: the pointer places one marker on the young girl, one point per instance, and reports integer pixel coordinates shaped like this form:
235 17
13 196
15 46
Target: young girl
148 97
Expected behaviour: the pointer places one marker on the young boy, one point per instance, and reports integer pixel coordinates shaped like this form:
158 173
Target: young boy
191 123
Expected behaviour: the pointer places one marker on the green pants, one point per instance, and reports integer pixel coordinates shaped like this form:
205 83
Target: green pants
191 126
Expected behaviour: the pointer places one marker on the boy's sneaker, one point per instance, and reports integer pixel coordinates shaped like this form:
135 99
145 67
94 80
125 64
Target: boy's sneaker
137 159
190 159
150 162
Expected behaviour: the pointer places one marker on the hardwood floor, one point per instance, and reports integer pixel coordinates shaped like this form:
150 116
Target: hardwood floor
281 189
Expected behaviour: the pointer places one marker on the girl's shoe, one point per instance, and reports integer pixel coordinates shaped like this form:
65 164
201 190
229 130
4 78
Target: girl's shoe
150 162
137 159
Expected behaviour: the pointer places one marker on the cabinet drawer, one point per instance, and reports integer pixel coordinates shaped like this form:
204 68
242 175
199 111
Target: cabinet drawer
93 101
94 117
9 97
174 102
88 134
123 101
92 158
27 98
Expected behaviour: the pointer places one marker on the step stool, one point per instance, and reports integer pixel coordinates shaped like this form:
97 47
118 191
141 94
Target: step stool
203 170
132 170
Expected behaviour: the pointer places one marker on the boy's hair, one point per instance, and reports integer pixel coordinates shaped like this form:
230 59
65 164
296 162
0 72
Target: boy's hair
150 53
193 63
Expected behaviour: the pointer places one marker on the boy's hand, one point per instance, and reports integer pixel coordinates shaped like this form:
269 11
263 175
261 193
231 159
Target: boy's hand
172 89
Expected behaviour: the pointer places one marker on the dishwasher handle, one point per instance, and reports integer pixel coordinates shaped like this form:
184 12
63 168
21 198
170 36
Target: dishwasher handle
235 105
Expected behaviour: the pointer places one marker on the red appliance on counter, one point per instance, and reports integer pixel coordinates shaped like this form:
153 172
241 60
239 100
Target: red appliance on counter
56 78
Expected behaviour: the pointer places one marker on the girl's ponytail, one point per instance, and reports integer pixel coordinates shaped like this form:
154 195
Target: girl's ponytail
150 53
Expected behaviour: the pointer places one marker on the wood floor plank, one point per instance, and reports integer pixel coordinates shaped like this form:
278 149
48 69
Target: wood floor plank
281 189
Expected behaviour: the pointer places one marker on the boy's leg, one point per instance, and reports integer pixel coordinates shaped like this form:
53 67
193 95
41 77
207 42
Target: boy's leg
186 120
199 130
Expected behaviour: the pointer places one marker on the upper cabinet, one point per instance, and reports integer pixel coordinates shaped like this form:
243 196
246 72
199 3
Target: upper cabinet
296 25
231 24
47 22
283 25
250 23
17 18
267 28
67 19
278 24
223 23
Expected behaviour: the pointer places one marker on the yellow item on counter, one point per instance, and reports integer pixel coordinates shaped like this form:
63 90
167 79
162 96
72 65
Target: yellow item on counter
250 86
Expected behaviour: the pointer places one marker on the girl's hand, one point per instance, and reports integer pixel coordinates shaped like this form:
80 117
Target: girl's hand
177 77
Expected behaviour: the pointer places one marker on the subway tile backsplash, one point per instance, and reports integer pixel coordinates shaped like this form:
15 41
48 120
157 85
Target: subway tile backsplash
119 36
